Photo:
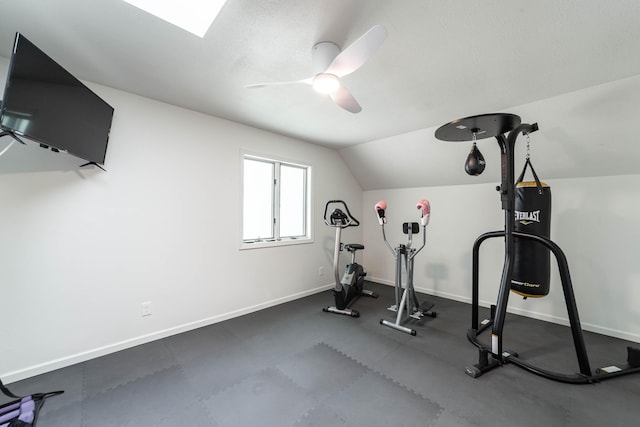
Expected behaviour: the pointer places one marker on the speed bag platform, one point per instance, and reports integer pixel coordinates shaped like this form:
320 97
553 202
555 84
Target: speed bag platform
531 269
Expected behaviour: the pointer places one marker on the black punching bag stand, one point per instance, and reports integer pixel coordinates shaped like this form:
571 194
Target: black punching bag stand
497 125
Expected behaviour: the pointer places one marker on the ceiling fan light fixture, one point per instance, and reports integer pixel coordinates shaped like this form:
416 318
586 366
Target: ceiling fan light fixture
326 83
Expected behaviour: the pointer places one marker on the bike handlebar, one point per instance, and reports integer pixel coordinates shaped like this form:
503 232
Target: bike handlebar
348 218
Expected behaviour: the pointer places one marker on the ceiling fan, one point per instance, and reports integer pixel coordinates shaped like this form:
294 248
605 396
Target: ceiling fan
330 64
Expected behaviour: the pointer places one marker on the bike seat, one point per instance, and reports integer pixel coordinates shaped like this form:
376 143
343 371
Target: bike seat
352 247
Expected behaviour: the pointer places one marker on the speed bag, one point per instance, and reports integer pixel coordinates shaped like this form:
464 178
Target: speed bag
531 259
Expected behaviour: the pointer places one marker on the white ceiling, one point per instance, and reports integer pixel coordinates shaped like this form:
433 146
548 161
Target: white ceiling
441 60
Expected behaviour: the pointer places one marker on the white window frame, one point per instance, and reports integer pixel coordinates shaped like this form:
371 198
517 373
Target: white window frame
277 240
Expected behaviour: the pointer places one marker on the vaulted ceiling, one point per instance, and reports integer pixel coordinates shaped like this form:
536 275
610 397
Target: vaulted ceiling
440 59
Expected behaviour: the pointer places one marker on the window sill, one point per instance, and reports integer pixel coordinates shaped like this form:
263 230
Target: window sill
274 243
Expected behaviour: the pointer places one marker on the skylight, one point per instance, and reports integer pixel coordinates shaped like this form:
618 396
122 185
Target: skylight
195 16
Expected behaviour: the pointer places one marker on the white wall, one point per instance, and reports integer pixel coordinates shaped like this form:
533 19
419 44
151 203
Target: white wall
586 133
585 149
594 220
82 249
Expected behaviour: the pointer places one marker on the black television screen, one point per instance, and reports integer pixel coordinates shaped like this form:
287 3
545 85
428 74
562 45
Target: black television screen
45 103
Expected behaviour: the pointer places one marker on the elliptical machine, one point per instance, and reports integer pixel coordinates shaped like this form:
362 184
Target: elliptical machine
350 287
406 300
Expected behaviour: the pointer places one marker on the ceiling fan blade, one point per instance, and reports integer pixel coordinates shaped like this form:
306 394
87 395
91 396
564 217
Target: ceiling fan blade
259 85
344 99
357 53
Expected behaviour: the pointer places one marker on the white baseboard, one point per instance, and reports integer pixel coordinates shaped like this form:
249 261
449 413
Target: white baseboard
34 370
63 362
616 333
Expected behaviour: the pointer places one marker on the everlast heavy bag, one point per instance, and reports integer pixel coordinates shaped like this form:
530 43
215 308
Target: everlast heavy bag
531 269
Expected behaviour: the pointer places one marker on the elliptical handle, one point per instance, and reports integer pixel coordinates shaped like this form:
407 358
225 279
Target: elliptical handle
351 220
425 210
380 207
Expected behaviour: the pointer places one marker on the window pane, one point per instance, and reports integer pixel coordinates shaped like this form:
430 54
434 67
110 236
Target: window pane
293 192
258 200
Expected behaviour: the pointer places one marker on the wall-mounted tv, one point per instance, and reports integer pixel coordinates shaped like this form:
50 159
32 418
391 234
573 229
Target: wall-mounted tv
45 103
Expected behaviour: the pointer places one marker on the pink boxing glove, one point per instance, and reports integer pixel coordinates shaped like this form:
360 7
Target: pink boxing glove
380 208
425 207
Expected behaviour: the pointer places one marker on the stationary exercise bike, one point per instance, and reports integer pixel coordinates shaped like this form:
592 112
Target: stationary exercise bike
406 300
351 286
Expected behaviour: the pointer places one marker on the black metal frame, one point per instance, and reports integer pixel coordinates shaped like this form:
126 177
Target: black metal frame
490 358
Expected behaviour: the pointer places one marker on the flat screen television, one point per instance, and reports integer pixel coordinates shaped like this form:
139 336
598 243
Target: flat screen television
45 103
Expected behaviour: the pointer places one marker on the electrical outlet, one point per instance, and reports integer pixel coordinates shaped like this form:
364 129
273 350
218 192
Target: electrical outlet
321 271
145 309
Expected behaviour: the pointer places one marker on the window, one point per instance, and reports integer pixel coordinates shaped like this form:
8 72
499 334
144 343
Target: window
276 202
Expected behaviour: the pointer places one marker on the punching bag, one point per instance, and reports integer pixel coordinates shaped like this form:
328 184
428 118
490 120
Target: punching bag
474 165
531 270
